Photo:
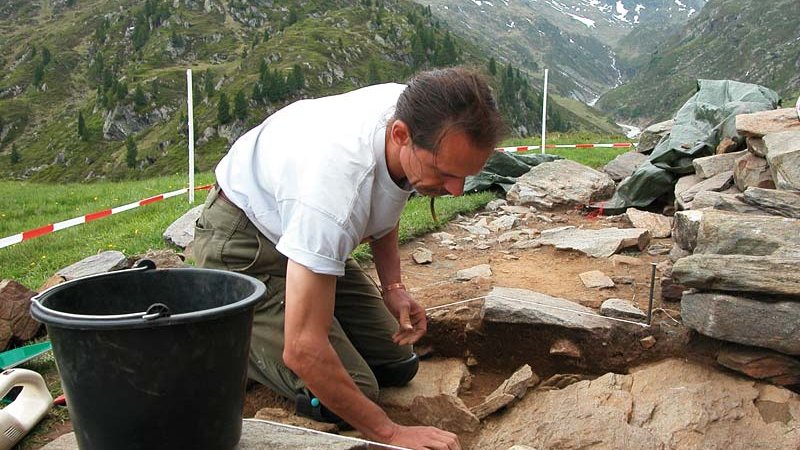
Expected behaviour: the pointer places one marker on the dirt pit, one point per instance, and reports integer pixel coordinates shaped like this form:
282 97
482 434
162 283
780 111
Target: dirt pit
493 352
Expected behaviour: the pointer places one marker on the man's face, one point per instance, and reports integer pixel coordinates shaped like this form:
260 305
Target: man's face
444 172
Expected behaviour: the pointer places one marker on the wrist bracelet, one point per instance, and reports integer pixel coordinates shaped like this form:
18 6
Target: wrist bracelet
392 287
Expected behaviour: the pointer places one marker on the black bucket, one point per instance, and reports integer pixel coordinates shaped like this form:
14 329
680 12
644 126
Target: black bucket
153 359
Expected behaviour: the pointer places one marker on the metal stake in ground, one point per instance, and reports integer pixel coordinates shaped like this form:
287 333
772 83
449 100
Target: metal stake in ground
652 286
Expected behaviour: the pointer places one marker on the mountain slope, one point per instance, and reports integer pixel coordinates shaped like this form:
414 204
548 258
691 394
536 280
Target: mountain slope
94 89
578 40
744 40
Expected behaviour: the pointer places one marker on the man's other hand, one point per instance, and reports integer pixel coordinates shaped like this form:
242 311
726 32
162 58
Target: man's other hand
411 316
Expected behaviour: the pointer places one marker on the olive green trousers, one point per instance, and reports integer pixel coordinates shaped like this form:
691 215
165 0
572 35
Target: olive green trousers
362 328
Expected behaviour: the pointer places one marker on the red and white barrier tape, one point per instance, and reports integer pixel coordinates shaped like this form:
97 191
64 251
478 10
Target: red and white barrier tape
530 148
47 229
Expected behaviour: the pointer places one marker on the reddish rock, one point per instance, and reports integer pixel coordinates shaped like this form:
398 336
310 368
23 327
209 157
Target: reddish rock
752 171
671 291
15 311
762 123
761 364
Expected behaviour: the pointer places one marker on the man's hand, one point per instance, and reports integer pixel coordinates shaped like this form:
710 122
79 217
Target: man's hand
411 316
424 438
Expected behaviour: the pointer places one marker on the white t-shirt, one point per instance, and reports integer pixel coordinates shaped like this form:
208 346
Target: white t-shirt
313 176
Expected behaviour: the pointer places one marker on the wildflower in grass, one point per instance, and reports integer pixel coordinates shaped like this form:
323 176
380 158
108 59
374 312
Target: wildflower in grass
44 256
110 245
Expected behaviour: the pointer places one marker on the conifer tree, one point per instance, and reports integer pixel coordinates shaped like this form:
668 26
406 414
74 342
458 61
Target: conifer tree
81 127
130 152
223 109
15 156
492 66
38 75
266 35
208 83
240 105
374 73
297 79
45 56
139 99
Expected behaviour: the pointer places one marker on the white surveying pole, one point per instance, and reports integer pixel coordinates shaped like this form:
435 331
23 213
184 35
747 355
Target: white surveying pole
189 107
544 111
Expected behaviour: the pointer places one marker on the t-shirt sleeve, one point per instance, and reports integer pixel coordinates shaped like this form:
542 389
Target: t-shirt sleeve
315 239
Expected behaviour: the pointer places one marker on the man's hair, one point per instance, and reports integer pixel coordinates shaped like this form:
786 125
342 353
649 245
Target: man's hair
442 101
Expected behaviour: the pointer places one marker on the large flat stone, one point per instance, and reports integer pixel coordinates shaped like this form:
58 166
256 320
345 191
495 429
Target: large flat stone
100 263
659 225
724 202
624 165
708 166
521 306
560 183
744 320
740 273
765 122
181 232
653 134
512 389
726 233
673 404
782 203
433 378
598 243
783 155
260 435
718 182
761 364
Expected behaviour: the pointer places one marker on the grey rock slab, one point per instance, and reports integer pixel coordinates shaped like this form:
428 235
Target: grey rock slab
434 377
783 155
726 233
525 244
718 182
596 279
476 230
739 273
765 122
708 166
181 232
761 364
653 134
422 255
744 319
442 236
260 435
782 203
621 309
659 225
685 227
724 202
522 306
517 235
513 209
100 263
752 171
502 223
672 404
560 183
624 165
599 243
481 270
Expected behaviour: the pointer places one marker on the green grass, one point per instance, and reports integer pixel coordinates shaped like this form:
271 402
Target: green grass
592 157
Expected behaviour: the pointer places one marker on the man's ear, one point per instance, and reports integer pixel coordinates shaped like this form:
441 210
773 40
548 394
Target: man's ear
400 133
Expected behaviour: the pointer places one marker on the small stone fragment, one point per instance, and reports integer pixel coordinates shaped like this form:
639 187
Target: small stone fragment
621 309
626 260
496 204
511 257
442 236
482 270
512 389
471 361
502 223
422 256
596 279
648 342
451 257
526 244
658 225
565 347
623 279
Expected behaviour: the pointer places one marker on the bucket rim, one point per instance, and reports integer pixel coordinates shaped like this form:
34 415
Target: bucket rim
144 319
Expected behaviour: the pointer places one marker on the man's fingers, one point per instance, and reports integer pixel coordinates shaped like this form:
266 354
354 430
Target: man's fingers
405 320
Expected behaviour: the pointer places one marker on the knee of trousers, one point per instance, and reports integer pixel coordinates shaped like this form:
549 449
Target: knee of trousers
397 373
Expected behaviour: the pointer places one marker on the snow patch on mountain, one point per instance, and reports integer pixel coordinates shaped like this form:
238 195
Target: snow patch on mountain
588 22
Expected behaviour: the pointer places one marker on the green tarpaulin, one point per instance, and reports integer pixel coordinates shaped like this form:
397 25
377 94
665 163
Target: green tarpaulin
502 169
700 125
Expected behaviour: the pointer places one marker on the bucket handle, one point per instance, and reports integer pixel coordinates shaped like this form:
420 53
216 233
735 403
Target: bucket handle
155 311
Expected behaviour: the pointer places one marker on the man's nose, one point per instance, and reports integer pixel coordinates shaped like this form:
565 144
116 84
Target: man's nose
455 186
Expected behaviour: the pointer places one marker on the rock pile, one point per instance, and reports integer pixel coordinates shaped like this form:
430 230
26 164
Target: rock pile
738 254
